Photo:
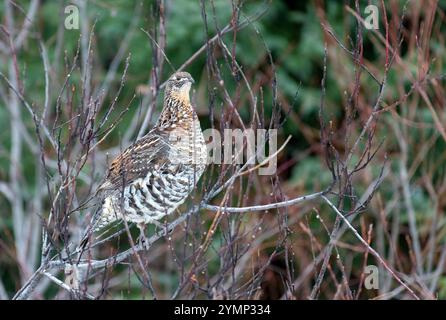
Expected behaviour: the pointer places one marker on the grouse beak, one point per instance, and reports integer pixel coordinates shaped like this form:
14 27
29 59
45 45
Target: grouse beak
192 80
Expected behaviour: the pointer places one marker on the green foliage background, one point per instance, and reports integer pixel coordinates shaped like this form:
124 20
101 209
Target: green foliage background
292 32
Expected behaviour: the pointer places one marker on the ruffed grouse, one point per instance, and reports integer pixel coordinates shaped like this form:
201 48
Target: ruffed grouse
155 175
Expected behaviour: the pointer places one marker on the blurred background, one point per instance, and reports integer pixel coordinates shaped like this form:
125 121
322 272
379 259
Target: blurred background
52 77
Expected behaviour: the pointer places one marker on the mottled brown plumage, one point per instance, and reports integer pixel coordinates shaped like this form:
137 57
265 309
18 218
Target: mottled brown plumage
155 175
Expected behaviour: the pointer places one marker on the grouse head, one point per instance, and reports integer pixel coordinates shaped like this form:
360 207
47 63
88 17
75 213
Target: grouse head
179 84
